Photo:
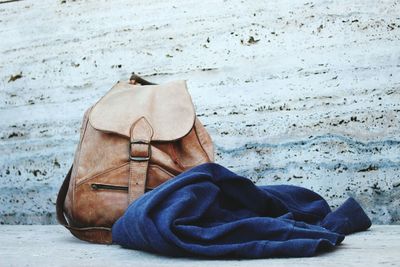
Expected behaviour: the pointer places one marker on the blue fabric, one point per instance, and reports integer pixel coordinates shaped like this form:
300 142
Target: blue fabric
210 211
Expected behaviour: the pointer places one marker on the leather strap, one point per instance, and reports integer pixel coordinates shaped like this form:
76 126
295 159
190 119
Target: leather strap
139 155
137 79
91 234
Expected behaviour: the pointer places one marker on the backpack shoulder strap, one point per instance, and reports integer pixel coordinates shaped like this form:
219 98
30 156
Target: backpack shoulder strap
137 79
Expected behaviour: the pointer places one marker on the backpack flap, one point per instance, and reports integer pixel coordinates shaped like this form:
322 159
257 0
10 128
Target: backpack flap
168 108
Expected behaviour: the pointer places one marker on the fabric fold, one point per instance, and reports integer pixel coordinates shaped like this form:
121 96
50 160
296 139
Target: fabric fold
347 219
211 211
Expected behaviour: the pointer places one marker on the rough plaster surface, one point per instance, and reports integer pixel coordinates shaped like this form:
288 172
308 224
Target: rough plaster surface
306 93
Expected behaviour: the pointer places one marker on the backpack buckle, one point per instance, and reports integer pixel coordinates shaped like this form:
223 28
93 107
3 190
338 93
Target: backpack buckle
139 157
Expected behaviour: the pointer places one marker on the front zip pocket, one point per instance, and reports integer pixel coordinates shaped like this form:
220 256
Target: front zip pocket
109 187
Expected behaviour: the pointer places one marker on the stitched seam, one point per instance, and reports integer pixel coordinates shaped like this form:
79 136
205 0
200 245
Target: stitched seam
120 166
99 174
161 169
201 144
175 156
76 164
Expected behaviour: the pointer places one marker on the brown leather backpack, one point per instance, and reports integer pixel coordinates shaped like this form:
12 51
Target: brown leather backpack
136 137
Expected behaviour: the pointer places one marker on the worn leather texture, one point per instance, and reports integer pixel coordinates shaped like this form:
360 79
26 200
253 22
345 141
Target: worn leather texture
132 140
169 110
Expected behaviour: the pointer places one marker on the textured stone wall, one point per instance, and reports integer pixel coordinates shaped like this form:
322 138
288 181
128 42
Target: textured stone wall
305 93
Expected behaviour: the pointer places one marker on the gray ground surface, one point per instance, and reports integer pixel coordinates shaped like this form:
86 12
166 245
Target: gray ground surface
297 92
36 245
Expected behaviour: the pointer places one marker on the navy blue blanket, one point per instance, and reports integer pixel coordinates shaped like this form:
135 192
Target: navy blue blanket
210 211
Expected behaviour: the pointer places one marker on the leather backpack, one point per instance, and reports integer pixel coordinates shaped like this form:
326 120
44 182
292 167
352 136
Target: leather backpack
133 139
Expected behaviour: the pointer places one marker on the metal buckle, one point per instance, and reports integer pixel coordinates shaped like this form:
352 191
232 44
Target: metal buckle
140 158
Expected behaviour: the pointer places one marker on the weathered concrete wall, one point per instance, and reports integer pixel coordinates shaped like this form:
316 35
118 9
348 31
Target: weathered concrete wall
305 93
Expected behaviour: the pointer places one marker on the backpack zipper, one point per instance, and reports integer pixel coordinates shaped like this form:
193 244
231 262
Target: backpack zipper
109 187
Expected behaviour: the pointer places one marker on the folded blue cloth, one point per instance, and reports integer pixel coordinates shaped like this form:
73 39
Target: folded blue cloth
210 211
